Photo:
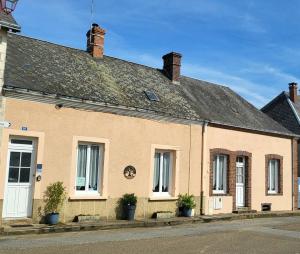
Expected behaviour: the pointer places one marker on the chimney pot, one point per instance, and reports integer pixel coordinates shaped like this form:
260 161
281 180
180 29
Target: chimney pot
293 87
172 65
95 41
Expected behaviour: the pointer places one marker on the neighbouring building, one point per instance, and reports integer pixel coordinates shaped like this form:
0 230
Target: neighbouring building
82 117
285 109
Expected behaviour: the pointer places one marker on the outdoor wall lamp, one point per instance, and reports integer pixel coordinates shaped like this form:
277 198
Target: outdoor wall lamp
59 106
8 6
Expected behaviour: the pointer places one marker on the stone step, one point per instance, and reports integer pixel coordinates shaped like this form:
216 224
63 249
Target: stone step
244 210
24 222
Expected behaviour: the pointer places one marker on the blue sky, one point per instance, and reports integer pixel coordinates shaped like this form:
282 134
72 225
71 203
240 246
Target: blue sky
252 46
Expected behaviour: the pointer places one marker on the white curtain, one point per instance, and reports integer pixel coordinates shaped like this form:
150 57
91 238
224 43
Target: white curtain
166 172
221 173
215 173
156 172
274 175
81 167
94 168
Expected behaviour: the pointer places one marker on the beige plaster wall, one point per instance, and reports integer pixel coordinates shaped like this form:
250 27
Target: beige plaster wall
259 145
130 142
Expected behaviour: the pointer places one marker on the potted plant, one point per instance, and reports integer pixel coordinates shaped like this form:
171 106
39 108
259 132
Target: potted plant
129 205
186 203
55 195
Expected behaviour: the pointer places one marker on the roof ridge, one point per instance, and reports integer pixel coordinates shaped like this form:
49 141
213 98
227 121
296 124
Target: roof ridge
273 101
44 41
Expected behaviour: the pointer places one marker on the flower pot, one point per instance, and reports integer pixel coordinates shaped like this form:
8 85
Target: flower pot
187 212
129 211
52 218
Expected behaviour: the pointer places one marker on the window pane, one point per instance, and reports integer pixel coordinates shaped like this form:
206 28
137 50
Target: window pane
221 173
276 178
239 175
156 172
13 176
81 167
272 174
166 172
24 175
215 173
94 168
14 159
26 160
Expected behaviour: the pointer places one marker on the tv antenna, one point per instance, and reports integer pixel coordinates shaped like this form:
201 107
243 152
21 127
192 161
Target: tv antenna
92 11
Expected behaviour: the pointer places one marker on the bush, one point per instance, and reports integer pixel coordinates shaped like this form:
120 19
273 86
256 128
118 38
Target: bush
129 200
55 195
186 201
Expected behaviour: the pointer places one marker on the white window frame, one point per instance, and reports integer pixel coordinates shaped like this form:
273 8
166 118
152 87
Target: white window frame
216 170
100 170
271 176
160 193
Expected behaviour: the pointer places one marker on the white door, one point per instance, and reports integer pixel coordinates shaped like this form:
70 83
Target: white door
240 181
18 192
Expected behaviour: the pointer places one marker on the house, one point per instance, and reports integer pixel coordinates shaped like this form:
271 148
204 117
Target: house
285 109
84 118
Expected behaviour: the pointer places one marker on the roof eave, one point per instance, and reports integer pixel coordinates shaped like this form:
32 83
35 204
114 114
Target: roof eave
139 112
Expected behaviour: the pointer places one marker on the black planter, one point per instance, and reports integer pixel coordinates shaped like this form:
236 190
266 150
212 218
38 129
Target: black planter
129 211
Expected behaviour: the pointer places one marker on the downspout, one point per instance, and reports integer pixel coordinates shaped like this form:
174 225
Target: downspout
293 194
190 148
204 127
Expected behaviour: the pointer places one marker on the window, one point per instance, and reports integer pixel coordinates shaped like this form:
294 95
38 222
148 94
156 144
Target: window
162 173
151 96
89 167
273 176
220 174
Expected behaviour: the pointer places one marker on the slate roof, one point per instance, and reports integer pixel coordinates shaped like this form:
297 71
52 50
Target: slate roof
8 21
53 69
284 111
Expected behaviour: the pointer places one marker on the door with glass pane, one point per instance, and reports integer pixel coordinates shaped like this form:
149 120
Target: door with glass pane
240 181
18 193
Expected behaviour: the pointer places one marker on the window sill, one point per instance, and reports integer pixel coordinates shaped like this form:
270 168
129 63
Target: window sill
88 197
220 194
274 194
162 198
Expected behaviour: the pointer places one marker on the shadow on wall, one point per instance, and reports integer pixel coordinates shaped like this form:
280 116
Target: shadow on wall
119 210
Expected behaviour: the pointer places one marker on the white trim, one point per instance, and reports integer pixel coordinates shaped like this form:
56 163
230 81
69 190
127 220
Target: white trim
294 110
161 193
27 149
274 177
216 173
90 193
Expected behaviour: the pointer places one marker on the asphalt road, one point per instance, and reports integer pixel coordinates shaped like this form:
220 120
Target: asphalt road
272 235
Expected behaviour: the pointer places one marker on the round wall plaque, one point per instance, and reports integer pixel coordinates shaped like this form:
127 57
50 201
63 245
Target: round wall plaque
129 172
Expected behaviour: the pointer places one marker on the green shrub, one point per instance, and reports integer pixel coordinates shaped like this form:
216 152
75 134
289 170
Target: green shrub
186 201
55 195
129 200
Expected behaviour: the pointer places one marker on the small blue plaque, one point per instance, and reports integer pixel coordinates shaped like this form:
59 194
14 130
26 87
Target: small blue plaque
39 168
24 128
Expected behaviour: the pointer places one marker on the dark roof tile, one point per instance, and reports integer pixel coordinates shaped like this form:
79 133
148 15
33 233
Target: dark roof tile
8 21
49 68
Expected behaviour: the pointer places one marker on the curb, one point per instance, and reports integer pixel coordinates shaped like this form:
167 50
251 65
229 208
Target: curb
8 231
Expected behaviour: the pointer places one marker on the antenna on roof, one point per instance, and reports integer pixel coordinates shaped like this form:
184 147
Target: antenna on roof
92 19
92 12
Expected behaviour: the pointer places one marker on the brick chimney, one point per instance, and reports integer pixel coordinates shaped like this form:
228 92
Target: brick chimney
172 64
95 41
293 91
